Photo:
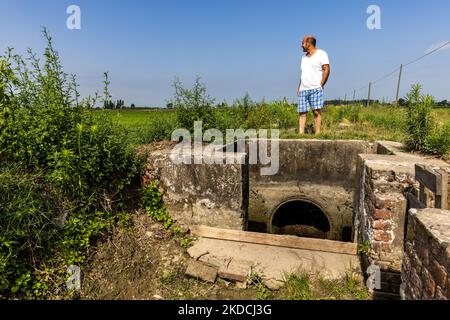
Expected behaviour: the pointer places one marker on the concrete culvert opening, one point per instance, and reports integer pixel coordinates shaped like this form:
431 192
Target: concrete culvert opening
300 218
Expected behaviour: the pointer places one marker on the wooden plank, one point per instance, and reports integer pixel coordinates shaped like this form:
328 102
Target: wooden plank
429 179
442 200
277 240
413 201
423 197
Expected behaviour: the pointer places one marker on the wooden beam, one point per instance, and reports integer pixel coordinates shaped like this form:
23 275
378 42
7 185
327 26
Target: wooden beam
276 240
429 179
442 200
423 197
414 202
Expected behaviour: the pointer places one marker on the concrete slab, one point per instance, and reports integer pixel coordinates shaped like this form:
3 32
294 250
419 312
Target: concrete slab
272 262
199 270
236 270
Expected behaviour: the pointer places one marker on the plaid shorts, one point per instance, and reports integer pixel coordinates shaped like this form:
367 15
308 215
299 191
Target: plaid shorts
310 99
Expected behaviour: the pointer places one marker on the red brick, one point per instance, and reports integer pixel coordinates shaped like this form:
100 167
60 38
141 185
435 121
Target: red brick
382 236
440 294
416 282
382 214
424 255
382 225
429 286
387 247
439 274
447 294
383 203
446 257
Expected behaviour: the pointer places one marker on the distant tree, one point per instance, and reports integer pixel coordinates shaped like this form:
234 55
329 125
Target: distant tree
119 104
107 103
443 103
402 102
169 105
132 106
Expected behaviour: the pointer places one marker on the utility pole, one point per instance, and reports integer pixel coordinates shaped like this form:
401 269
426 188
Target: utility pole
368 97
398 84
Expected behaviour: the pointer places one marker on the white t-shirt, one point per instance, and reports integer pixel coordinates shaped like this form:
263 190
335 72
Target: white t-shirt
312 70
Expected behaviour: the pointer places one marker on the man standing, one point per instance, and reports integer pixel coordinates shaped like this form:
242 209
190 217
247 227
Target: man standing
315 73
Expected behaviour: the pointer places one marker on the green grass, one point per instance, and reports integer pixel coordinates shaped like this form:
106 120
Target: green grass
146 126
305 286
339 122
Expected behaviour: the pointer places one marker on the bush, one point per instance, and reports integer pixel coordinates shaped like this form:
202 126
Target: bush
236 116
154 205
193 105
419 121
423 132
438 142
26 212
69 162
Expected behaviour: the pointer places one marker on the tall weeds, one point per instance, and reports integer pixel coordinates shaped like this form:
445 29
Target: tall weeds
59 162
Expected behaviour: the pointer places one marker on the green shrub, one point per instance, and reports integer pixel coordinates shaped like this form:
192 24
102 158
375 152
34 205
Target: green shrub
68 161
154 205
26 228
193 105
80 231
419 121
438 142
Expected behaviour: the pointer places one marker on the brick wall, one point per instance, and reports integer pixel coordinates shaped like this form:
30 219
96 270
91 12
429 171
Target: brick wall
383 207
426 263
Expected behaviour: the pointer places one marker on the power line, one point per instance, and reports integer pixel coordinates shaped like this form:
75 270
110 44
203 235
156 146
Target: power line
386 76
427 54
404 65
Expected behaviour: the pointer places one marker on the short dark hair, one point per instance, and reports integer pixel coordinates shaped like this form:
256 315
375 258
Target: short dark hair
311 40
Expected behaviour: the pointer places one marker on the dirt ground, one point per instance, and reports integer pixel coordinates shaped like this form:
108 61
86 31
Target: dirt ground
148 262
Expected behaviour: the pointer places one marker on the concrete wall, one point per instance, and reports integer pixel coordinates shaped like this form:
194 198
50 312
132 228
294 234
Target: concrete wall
322 172
316 161
426 264
211 195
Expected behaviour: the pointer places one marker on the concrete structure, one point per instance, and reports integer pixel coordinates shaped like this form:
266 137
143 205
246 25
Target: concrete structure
386 181
237 254
336 190
213 195
315 171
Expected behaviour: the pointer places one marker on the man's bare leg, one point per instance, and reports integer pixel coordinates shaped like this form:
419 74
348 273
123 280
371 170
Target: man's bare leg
317 121
302 123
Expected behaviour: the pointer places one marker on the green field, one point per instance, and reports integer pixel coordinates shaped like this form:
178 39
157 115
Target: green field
339 122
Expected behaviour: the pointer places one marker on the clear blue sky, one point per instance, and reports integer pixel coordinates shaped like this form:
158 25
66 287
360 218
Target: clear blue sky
236 46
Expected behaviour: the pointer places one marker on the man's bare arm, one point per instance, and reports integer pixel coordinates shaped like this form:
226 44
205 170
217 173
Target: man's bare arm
299 85
326 74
